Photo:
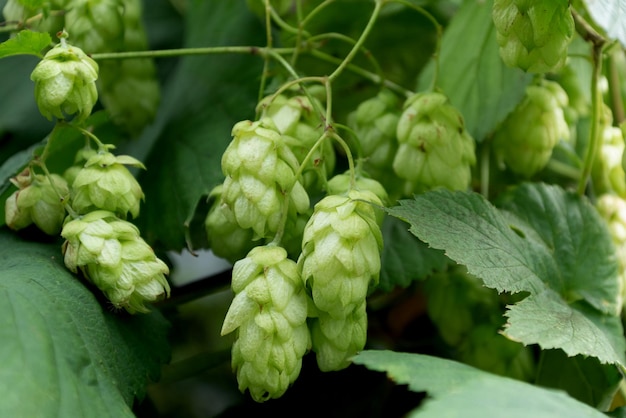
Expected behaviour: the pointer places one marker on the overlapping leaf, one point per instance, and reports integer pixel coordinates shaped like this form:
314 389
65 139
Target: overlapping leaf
458 390
63 353
551 244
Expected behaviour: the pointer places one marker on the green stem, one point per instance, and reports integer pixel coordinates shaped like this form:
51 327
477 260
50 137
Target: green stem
359 43
266 60
168 53
485 167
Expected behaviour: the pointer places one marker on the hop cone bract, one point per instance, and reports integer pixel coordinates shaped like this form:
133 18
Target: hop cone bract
533 34
269 313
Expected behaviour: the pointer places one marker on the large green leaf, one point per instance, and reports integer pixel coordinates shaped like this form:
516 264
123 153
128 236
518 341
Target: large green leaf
458 390
63 353
552 245
206 96
471 72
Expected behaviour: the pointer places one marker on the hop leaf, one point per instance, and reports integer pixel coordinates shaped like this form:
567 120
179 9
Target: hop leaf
435 149
269 313
65 83
105 183
112 255
37 201
527 136
260 169
533 34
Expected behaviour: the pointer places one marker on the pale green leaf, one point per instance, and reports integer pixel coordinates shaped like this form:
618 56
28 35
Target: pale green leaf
26 42
64 353
458 390
552 244
471 72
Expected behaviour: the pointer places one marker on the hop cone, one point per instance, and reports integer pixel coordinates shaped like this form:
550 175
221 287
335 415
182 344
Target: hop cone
96 25
37 201
260 169
298 121
340 259
375 122
105 183
612 208
533 34
434 149
65 83
129 89
269 313
608 174
112 255
527 136
226 238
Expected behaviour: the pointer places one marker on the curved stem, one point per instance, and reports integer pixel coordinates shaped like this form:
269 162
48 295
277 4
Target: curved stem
359 43
168 53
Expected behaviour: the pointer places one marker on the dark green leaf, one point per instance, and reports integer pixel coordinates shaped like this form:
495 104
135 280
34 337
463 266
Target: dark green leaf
206 97
405 258
584 378
552 245
64 354
471 72
458 390
26 42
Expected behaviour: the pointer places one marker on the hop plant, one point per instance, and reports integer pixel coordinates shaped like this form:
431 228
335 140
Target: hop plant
112 255
434 148
374 123
527 136
38 201
269 314
297 120
533 34
105 183
65 83
260 170
340 260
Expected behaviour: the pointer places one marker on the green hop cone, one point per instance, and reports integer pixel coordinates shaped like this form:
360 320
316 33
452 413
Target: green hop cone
96 25
269 313
226 238
526 138
65 83
374 123
339 262
37 201
533 35
105 183
301 126
337 339
112 255
612 208
129 89
434 148
608 174
260 169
